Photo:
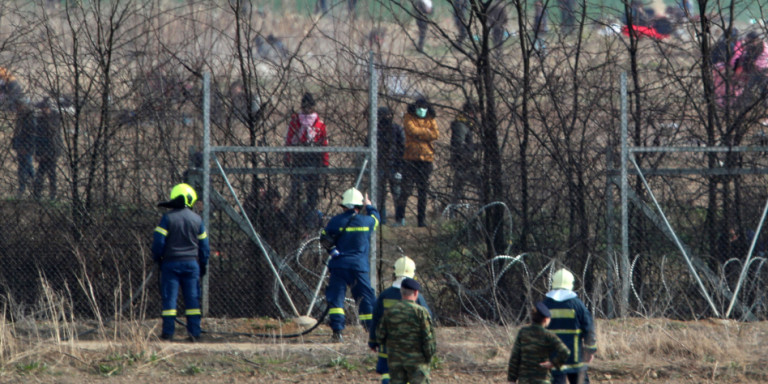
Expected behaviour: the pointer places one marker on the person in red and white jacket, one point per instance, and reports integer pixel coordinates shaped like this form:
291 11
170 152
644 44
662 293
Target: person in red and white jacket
307 129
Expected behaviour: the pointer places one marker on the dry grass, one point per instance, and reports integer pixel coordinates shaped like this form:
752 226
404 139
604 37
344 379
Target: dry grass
630 351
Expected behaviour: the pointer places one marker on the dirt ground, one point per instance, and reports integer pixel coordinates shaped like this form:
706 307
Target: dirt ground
631 351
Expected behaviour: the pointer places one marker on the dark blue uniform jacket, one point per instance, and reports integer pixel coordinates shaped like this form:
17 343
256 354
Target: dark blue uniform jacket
354 242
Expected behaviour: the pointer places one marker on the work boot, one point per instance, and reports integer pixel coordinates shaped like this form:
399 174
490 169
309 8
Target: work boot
337 337
198 339
166 336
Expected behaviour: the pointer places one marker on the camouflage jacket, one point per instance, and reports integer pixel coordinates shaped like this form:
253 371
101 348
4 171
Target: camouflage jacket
535 345
407 332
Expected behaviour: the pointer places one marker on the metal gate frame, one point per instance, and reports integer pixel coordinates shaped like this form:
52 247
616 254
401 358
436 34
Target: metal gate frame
695 265
210 151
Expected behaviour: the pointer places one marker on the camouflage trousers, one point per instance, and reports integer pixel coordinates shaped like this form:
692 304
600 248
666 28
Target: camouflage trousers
408 373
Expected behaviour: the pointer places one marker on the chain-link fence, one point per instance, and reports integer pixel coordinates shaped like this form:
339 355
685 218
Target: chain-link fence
514 185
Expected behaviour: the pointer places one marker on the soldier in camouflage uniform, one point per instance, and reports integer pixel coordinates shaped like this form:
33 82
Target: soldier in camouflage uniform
407 332
536 350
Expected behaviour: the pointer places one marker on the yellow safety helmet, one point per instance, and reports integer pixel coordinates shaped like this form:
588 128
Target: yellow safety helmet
405 267
562 279
183 189
351 198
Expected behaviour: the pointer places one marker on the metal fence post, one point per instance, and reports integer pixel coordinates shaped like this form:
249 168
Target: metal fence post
206 176
372 155
624 262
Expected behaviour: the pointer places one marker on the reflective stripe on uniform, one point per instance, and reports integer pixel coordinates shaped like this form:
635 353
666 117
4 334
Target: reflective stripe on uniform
385 376
161 231
367 316
193 312
169 312
202 236
376 224
356 229
383 355
575 333
336 311
389 302
576 355
567 331
563 313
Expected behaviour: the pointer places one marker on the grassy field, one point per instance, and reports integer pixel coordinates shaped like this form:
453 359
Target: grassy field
630 351
744 10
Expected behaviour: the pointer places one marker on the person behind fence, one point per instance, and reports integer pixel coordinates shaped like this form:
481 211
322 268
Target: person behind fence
23 142
462 160
421 131
48 147
391 143
405 267
407 333
572 323
422 10
567 16
497 22
460 8
540 26
180 246
11 91
349 235
306 129
536 350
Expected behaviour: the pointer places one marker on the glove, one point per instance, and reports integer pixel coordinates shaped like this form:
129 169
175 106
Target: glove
203 269
373 346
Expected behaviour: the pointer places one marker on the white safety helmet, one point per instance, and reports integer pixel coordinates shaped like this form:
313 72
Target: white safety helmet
405 267
562 279
351 198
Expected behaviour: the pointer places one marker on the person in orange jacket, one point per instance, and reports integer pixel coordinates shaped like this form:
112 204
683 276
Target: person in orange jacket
421 131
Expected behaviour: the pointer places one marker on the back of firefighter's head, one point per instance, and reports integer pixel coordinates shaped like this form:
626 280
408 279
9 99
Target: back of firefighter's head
405 267
186 192
562 279
352 198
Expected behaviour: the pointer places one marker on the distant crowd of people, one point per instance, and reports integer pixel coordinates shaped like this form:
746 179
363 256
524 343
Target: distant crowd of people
406 154
740 68
36 137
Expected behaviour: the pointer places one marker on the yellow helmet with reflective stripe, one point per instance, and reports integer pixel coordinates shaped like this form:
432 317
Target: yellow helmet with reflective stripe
405 266
183 189
562 279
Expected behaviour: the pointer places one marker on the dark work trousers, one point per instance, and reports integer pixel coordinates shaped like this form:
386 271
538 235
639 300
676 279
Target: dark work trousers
386 178
184 274
570 378
26 169
46 168
459 18
414 172
423 24
463 174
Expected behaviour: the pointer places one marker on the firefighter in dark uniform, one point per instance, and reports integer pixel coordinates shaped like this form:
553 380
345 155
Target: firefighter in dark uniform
573 324
181 248
349 264
404 268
